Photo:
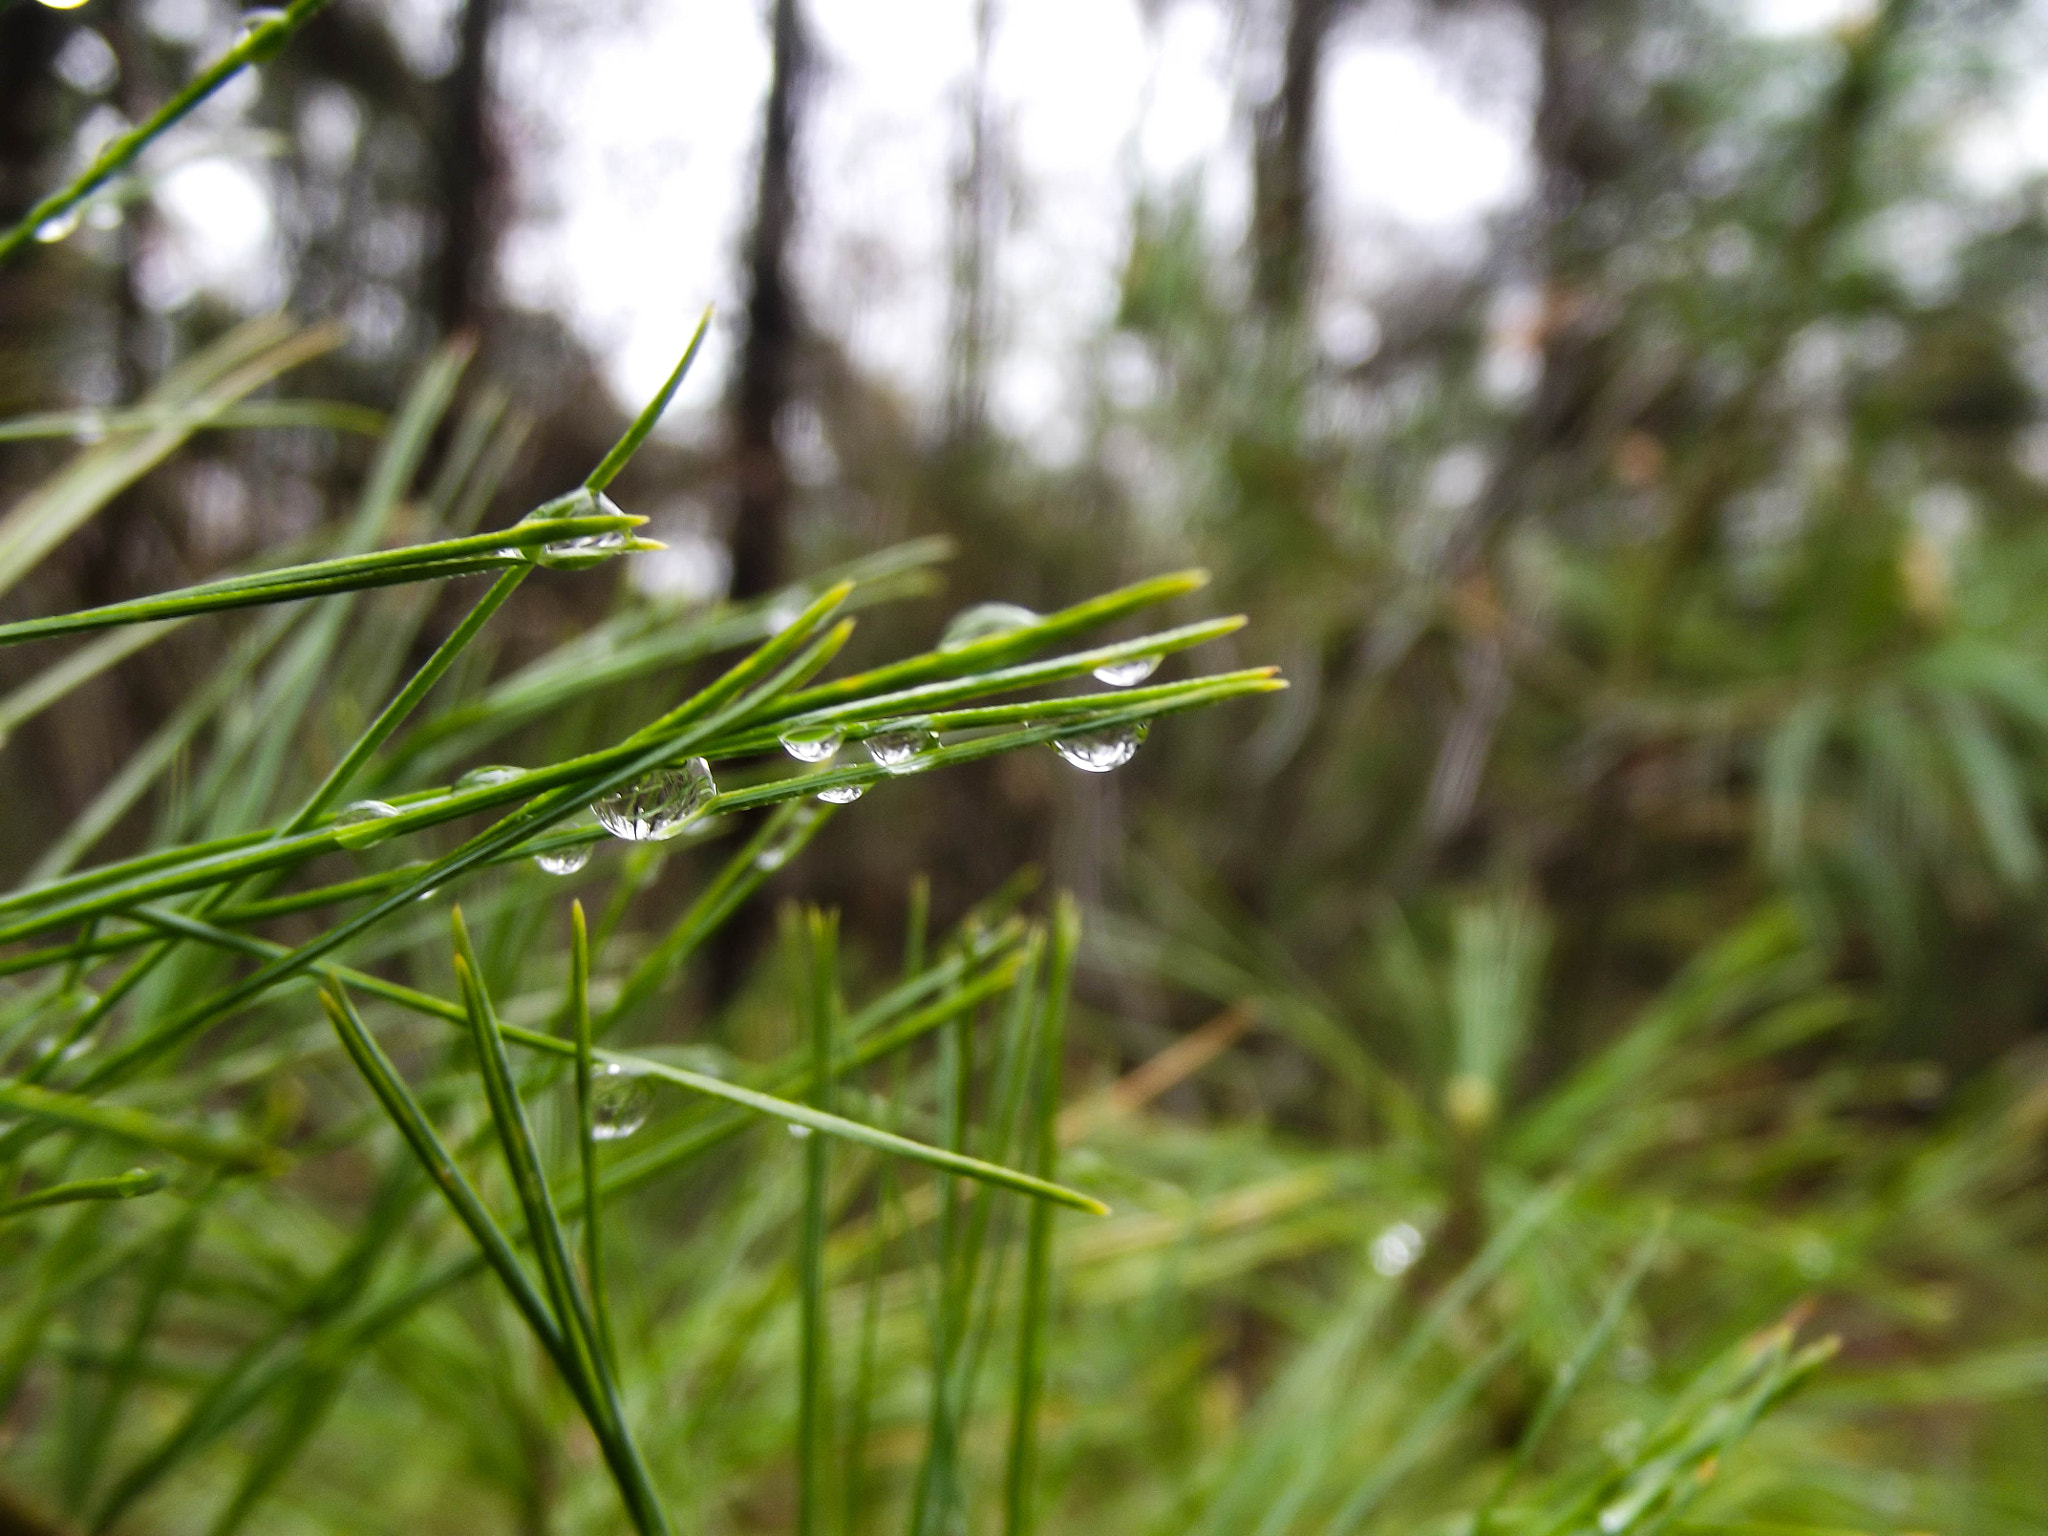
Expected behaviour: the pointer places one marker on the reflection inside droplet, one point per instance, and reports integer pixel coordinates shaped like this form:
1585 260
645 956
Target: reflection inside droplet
812 743
363 823
984 621
487 778
59 226
1128 672
619 1102
842 794
898 750
659 806
563 861
1100 751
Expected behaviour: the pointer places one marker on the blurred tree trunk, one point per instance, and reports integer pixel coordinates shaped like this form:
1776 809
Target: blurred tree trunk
1283 165
29 38
762 389
976 229
767 363
470 177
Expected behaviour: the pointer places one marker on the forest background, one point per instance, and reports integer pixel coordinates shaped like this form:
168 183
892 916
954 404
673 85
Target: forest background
1616 960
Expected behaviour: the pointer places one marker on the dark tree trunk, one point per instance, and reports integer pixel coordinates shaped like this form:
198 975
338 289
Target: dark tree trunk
767 363
469 172
977 191
1283 165
29 38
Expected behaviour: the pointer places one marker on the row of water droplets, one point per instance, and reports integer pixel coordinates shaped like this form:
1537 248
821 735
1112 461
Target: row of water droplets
898 749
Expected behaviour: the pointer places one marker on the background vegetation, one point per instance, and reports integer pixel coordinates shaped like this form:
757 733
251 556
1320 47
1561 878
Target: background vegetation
1569 1063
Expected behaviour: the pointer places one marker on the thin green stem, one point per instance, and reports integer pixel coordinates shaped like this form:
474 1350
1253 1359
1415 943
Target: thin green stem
262 41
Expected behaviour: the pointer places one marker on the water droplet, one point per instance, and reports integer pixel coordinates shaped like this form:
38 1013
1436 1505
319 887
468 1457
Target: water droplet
984 621
571 554
1100 751
1396 1249
619 1102
812 743
263 27
563 861
1128 672
787 608
91 428
660 805
363 824
771 858
842 794
899 750
487 778
582 553
799 1132
60 226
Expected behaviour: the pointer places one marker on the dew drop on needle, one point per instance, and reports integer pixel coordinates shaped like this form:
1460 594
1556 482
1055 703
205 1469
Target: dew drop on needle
1100 751
1127 673
842 794
488 777
984 621
898 751
563 861
659 805
364 823
812 743
619 1102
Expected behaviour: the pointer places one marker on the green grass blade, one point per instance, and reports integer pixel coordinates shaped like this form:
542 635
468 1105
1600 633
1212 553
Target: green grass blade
335 415
551 1247
586 1135
50 1107
121 1186
939 1158
623 450
1573 1371
818 1003
1021 1475
438 560
433 1156
244 360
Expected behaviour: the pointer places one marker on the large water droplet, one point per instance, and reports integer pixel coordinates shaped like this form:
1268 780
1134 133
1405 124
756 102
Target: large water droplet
487 778
983 621
659 806
1100 751
812 743
364 823
1129 672
572 554
842 794
898 750
563 861
619 1102
60 226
